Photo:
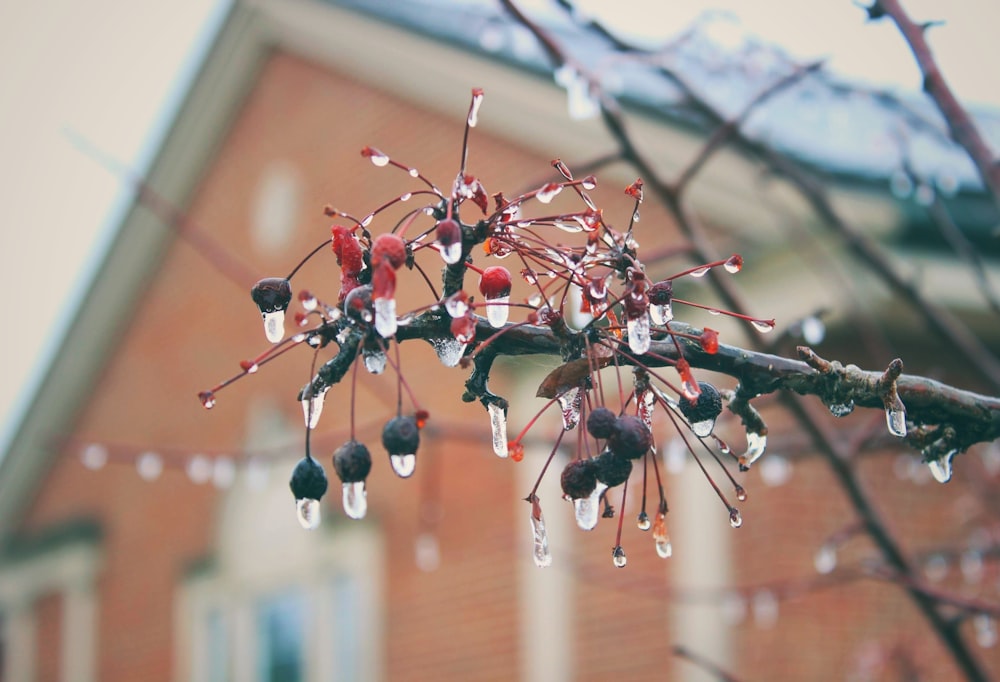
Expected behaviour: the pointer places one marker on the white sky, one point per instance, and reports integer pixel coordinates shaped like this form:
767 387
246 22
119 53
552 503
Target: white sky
112 71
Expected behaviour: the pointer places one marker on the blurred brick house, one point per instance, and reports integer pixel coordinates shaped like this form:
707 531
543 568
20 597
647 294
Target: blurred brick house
200 571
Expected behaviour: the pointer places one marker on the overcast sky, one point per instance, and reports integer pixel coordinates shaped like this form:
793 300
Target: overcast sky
112 71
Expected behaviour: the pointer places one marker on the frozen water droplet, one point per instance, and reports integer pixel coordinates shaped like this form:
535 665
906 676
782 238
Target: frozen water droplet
274 325
763 326
308 512
986 630
775 471
199 469
756 443
813 330
457 305
355 500
664 549
498 425
541 553
765 609
378 158
427 552
149 465
570 402
309 303
638 334
841 409
826 559
312 408
477 101
94 456
941 468
735 518
375 360
703 429
643 522
385 317
618 557
734 608
587 509
741 493
734 264
497 311
207 399
895 419
452 253
547 193
589 182
699 272
675 456
403 465
449 350
661 314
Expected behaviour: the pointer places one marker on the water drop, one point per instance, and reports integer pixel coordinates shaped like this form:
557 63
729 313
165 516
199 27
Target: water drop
936 568
638 334
94 456
457 304
635 216
895 419
477 101
355 500
741 493
308 512
841 409
498 425
941 468
589 182
403 465
375 360
207 399
497 311
734 264
714 311
642 522
986 630
971 564
735 518
199 469
516 450
274 325
826 559
414 173
377 157
547 193
675 456
427 552
661 314
587 509
765 608
570 402
385 317
449 350
223 472
775 471
149 465
571 228
700 272
452 253
813 330
312 407
763 326
703 429
541 553
756 443
734 608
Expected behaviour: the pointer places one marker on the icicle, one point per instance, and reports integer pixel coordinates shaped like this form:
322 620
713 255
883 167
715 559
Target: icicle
274 325
385 317
541 553
449 350
941 468
355 500
756 442
660 537
570 402
638 334
375 360
308 512
588 509
498 425
312 408
497 311
895 419
618 557
661 314
826 559
403 465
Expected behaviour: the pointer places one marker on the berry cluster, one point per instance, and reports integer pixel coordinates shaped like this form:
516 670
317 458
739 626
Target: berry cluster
592 296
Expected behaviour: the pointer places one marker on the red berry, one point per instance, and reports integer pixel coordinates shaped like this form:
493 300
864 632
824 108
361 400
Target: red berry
495 282
389 248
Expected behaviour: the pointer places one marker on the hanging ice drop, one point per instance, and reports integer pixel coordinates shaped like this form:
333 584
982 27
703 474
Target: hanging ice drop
638 333
895 419
941 468
385 317
498 425
660 538
826 559
756 443
661 314
308 511
540 553
355 500
735 518
312 408
375 360
618 557
497 311
274 325
449 350
403 465
570 402
587 510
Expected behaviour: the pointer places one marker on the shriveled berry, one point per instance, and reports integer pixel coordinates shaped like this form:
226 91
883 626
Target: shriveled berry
630 437
579 478
401 436
612 469
601 422
352 462
308 480
272 294
661 293
707 406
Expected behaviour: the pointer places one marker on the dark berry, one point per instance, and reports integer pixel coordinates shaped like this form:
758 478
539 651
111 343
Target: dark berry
601 422
352 462
401 436
707 407
579 478
612 469
308 480
272 294
630 437
358 304
661 293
